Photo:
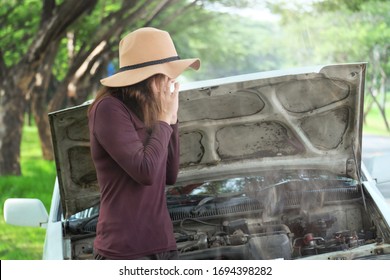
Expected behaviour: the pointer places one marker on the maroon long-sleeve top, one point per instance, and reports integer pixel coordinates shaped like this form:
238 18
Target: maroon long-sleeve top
133 167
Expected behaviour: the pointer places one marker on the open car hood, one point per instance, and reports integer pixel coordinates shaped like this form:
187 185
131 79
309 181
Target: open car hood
300 119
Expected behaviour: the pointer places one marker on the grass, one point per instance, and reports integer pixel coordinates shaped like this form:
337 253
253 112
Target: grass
23 243
375 124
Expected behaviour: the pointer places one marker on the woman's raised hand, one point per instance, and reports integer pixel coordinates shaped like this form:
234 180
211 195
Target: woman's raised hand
169 100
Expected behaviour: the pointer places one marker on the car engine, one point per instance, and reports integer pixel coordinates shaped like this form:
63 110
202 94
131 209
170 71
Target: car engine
294 220
246 238
290 221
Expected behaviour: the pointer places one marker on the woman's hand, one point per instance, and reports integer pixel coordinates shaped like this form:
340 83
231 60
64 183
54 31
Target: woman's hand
175 107
169 100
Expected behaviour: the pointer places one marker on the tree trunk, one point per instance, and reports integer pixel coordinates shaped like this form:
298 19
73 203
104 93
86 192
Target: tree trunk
11 120
39 101
367 109
42 123
379 81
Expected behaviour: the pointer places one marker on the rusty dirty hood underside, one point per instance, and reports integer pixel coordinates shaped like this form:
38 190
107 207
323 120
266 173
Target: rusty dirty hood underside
299 119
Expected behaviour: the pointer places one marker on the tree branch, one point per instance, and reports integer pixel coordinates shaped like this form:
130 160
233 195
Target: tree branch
65 14
47 11
159 8
113 28
126 6
178 12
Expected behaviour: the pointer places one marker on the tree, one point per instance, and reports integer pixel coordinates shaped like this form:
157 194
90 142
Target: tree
67 45
341 31
16 78
64 51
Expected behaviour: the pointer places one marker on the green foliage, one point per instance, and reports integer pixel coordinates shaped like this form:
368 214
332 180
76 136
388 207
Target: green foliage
83 33
61 63
19 22
341 36
332 31
351 5
228 44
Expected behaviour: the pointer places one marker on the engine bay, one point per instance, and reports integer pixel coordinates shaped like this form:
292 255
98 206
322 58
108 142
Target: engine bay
290 237
293 219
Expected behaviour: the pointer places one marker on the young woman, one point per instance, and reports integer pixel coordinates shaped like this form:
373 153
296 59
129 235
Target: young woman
135 147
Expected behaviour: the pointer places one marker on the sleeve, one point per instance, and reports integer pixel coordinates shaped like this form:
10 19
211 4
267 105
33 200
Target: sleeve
173 156
116 132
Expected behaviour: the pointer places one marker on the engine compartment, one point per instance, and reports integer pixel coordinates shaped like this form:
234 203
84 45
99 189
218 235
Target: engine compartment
292 236
291 219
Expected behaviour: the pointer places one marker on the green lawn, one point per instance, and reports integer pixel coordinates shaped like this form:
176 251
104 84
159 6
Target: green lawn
23 243
375 124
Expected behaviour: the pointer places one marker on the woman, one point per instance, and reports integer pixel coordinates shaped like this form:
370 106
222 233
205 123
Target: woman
135 148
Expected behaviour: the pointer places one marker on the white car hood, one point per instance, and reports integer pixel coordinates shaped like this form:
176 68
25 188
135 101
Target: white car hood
300 119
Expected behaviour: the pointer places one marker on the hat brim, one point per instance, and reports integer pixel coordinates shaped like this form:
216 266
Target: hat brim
130 77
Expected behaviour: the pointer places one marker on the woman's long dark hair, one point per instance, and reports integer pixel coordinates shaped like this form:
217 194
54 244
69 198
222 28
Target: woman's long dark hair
139 98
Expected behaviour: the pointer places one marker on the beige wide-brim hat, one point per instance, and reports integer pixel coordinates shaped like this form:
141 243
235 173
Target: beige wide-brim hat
144 53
